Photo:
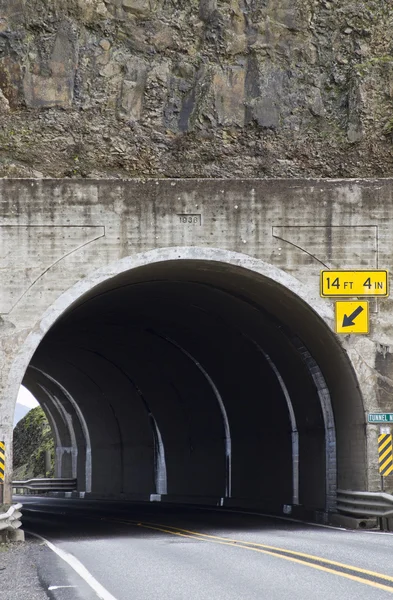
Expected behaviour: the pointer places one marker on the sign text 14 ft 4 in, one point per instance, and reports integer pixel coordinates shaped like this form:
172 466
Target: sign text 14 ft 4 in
354 283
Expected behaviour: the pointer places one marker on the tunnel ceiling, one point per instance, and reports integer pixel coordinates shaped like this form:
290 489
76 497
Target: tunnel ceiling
193 378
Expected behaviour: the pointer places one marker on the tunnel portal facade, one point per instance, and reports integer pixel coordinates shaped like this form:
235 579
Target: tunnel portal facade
174 335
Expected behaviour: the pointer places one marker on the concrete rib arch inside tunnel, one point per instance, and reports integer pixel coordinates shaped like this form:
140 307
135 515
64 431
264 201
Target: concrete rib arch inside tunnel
201 379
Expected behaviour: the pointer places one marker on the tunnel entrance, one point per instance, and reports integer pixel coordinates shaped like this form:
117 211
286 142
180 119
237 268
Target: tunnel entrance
200 379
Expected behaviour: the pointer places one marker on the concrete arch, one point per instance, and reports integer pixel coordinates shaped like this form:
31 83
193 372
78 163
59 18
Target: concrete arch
148 258
69 427
235 316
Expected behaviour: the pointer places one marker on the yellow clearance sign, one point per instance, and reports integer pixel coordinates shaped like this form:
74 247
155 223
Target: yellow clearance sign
352 317
354 283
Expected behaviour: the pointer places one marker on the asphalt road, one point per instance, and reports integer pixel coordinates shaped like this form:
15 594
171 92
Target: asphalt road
155 552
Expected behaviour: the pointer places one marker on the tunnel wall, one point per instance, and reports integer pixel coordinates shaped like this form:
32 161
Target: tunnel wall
192 390
55 234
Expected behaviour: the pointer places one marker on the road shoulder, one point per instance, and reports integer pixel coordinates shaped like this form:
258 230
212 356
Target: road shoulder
30 570
19 576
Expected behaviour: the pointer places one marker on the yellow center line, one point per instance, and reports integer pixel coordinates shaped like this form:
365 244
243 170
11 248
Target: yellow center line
290 558
272 551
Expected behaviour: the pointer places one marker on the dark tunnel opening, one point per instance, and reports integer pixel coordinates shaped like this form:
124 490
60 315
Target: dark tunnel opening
197 379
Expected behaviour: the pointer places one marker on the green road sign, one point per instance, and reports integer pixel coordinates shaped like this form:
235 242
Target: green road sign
380 418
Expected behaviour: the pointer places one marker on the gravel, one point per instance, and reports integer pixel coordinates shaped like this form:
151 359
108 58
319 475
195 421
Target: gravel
19 579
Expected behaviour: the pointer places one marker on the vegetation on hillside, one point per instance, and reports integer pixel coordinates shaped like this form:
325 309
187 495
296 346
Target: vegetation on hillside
32 438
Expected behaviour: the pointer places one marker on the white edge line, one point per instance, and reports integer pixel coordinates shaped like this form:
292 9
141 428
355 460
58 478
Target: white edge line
281 518
60 587
343 529
77 566
265 515
241 512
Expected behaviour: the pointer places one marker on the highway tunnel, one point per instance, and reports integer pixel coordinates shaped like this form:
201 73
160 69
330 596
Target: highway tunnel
195 379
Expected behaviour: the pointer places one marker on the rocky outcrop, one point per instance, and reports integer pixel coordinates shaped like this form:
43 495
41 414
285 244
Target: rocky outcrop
32 439
186 88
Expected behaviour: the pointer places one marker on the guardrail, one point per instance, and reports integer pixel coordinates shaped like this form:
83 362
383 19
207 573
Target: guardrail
45 485
365 504
10 520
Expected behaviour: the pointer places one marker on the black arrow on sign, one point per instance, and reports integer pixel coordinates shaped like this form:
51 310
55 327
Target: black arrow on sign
348 321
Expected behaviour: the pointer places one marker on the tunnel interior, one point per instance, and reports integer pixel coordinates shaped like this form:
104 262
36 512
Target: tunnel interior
204 380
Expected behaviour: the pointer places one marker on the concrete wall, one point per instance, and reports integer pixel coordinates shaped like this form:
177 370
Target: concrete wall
59 239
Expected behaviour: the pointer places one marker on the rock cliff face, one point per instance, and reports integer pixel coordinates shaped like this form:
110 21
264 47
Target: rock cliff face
186 88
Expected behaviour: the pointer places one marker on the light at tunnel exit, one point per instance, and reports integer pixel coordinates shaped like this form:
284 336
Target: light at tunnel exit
24 404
